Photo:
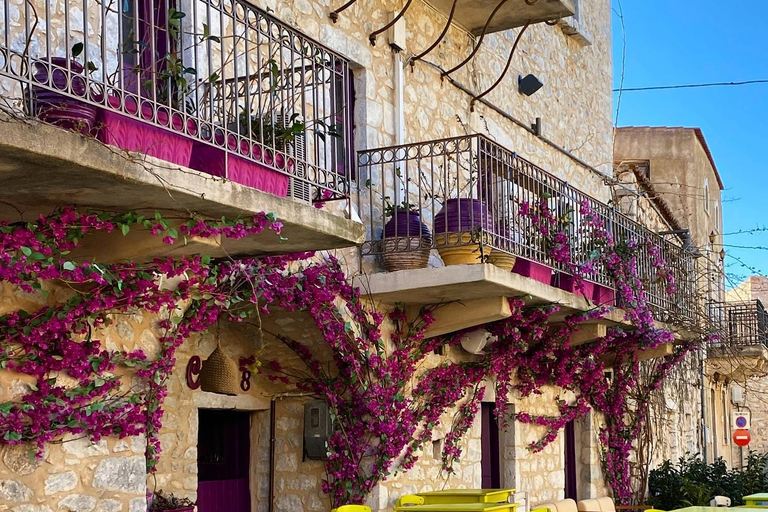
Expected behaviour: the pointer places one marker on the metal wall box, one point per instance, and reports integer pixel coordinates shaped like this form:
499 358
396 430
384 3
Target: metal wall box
472 15
318 427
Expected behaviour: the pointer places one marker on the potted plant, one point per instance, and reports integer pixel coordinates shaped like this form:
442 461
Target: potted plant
162 502
501 255
134 122
406 240
460 230
68 76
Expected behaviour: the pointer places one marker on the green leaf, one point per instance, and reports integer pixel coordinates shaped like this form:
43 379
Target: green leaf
26 250
5 408
77 49
68 265
125 228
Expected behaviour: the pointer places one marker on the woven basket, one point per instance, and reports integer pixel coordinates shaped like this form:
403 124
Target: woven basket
502 259
404 253
219 374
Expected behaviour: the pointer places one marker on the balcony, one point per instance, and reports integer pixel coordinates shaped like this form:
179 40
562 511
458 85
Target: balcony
466 192
742 350
473 15
218 108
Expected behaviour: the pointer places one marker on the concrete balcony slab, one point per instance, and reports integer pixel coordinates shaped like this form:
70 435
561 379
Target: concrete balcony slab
472 15
43 167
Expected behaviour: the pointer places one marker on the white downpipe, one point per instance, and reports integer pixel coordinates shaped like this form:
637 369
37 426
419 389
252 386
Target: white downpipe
399 100
400 192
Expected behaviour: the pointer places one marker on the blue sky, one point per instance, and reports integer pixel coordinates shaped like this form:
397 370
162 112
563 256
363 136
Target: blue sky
669 42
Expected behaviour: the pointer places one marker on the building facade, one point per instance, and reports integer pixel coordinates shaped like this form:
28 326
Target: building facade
334 120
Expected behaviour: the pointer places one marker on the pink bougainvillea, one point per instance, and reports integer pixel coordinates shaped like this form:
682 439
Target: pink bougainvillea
387 394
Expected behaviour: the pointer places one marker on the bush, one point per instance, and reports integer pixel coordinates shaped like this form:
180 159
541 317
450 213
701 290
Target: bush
693 482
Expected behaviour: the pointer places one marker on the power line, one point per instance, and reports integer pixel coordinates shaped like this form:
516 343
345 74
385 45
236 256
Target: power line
690 86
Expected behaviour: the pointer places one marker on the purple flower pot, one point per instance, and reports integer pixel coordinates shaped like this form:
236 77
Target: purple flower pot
271 176
462 214
406 223
127 130
604 296
569 283
537 271
61 109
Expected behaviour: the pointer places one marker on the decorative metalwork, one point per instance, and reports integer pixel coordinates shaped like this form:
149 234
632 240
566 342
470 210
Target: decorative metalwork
334 15
486 185
741 323
504 72
439 38
479 41
395 19
234 80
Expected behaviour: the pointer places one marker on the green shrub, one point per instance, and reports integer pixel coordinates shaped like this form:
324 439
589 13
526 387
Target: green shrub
693 482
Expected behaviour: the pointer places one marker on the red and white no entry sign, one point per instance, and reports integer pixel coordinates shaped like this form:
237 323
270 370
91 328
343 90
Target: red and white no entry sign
741 437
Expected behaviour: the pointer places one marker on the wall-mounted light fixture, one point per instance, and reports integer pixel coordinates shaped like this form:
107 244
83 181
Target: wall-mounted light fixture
712 237
722 254
528 84
685 237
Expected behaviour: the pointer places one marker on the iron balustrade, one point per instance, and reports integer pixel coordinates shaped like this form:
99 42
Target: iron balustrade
220 72
741 323
466 171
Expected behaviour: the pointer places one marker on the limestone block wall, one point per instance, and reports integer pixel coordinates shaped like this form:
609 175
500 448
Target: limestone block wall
72 474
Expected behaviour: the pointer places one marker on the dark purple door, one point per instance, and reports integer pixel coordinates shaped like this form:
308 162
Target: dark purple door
223 452
570 460
489 439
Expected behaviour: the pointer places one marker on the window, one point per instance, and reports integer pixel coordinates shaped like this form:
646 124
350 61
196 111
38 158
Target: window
706 195
573 26
723 417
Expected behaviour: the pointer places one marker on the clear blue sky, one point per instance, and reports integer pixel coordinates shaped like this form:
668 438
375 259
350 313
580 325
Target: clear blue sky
671 42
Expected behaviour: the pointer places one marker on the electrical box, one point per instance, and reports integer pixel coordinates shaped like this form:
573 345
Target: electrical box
396 33
318 428
737 394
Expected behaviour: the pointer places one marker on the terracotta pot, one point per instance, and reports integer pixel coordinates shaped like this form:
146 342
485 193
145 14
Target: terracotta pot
502 259
406 243
61 109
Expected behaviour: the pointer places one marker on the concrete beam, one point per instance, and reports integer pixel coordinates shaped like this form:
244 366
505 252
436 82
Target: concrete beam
588 333
663 350
473 15
43 167
461 315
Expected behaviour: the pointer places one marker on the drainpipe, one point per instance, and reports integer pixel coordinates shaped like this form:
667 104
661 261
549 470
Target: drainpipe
272 442
399 114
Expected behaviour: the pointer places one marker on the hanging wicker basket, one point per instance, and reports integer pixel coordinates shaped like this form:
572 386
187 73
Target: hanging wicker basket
219 374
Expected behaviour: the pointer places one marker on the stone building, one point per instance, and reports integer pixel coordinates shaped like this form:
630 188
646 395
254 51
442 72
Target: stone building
747 300
229 109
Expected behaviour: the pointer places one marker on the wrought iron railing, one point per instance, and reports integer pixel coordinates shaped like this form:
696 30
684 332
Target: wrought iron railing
741 323
234 91
485 185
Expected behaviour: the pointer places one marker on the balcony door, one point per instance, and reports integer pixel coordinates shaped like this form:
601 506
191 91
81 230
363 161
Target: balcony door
223 454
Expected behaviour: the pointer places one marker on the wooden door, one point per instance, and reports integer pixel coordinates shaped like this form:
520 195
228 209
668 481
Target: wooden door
223 454
489 439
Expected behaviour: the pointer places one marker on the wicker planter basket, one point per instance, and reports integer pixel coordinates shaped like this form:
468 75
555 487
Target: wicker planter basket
502 259
219 374
404 253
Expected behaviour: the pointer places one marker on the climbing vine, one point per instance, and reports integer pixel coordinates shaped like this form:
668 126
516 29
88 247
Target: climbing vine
387 394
